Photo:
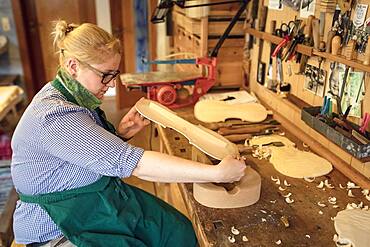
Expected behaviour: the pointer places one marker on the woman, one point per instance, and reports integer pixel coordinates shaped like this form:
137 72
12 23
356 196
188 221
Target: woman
68 159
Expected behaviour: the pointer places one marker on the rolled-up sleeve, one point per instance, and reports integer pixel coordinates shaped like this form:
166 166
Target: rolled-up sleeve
74 136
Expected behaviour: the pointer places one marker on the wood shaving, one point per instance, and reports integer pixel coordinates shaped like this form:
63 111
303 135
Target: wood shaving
263 219
262 152
321 185
341 186
321 204
365 192
368 197
263 211
321 212
234 231
282 133
286 183
308 179
350 193
351 185
308 236
275 179
335 206
278 242
335 237
288 200
288 195
231 239
281 188
305 145
273 202
245 239
332 200
328 185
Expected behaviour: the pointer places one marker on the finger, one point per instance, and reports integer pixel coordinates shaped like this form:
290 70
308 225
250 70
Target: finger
127 124
132 112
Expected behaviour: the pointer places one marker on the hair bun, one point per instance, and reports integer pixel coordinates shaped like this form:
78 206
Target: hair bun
61 29
68 29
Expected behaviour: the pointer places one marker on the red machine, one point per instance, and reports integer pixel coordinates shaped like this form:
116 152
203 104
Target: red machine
170 88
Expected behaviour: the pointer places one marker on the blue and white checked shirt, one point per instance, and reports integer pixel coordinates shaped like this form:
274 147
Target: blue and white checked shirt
58 146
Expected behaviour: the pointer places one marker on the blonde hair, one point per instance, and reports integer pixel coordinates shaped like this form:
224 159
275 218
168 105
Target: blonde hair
86 42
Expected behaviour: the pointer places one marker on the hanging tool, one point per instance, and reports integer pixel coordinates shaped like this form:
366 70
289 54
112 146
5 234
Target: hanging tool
339 99
261 27
298 38
316 33
272 48
287 31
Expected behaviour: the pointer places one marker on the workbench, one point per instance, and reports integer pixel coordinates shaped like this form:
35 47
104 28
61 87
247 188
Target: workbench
309 224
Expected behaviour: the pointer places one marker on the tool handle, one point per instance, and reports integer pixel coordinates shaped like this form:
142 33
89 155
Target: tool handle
244 149
280 45
335 44
316 33
331 34
308 30
343 124
238 137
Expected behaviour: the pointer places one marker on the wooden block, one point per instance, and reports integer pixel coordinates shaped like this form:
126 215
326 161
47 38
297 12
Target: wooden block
245 193
358 165
340 153
367 170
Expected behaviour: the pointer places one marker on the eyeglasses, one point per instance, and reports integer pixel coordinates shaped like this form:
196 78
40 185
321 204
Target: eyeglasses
106 77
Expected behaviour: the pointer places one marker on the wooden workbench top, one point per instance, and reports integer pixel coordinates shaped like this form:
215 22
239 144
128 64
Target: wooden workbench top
309 224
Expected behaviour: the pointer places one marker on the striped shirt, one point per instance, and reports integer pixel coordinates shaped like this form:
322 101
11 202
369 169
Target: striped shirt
58 146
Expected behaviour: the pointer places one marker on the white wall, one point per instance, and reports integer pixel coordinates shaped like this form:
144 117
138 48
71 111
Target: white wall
103 20
103 15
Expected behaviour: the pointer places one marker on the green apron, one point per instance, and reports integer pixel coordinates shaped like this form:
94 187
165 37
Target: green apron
112 213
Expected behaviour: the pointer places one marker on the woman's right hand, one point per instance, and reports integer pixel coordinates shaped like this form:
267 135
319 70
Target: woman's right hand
230 170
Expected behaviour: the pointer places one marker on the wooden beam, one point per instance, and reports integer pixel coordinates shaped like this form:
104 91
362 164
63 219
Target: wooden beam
28 76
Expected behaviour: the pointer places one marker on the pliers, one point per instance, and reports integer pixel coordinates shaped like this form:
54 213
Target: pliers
287 31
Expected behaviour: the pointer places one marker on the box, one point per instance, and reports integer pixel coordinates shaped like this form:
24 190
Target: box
360 151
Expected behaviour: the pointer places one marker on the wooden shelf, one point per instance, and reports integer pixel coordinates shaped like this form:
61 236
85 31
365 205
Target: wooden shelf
309 51
340 59
304 49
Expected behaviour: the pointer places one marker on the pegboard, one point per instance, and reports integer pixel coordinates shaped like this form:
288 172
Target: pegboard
297 80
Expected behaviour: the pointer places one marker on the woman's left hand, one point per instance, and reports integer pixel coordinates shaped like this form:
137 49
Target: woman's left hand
131 123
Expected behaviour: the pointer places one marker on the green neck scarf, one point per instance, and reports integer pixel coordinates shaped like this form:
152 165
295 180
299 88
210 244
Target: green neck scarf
79 95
